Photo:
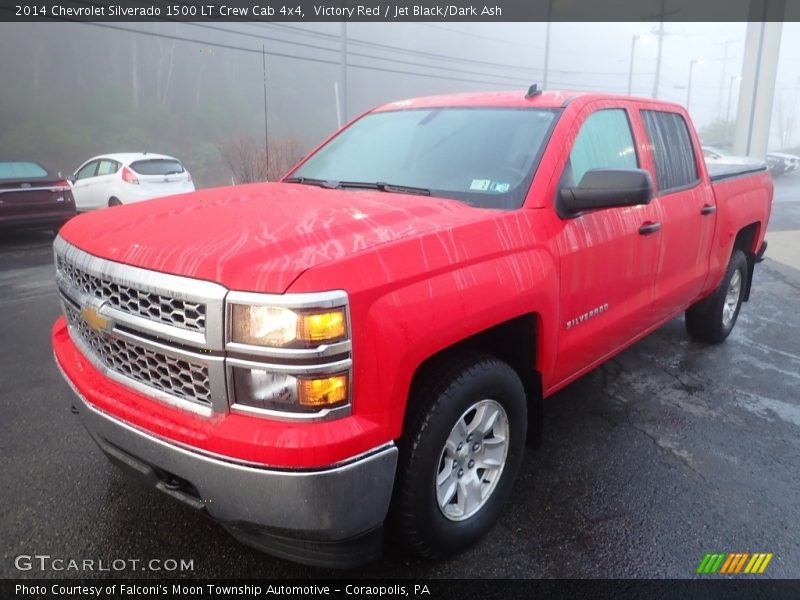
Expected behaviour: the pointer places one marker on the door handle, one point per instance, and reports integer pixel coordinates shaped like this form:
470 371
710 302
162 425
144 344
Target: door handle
708 209
649 228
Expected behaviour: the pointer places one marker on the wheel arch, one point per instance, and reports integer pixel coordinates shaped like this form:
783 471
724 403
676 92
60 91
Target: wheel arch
514 342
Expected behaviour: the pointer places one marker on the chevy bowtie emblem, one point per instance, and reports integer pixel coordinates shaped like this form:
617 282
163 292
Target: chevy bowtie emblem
94 319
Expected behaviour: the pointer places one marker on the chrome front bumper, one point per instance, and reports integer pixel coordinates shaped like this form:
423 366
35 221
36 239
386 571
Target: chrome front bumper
301 515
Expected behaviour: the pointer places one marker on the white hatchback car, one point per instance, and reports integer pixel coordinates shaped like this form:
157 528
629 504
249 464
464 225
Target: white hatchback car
114 179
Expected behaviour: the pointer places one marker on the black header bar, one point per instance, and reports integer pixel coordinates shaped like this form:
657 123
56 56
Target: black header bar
398 11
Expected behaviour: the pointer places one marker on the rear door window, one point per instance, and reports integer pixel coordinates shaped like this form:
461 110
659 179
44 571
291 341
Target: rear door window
21 170
605 141
673 152
157 166
107 167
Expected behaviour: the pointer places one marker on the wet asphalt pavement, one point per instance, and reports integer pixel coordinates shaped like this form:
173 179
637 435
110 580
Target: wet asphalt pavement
669 451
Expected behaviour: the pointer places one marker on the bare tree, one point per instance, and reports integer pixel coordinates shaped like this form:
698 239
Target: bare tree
284 153
246 158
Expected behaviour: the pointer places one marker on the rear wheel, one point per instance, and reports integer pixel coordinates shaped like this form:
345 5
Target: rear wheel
114 202
459 456
712 320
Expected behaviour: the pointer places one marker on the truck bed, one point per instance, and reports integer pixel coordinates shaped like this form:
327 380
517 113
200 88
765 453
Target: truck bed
719 171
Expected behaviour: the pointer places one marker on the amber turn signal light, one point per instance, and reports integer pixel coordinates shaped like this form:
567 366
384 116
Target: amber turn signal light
322 392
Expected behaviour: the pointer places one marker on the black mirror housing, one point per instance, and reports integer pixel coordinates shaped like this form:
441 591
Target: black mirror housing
607 188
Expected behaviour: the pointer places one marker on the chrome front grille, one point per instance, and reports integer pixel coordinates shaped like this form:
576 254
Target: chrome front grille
180 378
149 305
158 333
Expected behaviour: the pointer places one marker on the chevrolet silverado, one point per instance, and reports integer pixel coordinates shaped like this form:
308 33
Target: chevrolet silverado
365 345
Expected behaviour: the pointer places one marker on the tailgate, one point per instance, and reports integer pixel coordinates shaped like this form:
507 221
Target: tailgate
34 198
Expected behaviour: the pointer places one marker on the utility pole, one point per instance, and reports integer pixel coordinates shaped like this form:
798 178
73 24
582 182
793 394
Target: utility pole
343 66
547 44
266 128
662 14
660 46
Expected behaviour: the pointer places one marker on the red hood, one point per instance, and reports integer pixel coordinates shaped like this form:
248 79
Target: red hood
258 237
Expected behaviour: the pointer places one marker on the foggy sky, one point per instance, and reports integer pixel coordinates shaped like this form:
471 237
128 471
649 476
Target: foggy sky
224 87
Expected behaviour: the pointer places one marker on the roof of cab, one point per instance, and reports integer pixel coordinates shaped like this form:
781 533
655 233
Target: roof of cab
509 99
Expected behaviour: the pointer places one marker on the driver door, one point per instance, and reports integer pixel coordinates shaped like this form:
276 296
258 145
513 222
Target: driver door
83 188
608 256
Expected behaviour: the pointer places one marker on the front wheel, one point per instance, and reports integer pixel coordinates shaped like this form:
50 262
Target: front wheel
459 456
712 320
114 202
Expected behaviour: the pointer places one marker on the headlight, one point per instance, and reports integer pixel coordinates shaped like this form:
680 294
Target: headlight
281 327
272 390
289 356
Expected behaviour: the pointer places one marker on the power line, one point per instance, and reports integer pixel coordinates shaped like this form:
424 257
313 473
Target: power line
333 37
360 54
443 57
391 48
483 37
284 55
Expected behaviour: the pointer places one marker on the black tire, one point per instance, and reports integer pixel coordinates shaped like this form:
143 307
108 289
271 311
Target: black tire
114 202
416 520
706 321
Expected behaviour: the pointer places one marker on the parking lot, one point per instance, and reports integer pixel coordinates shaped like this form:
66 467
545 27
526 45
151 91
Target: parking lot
669 451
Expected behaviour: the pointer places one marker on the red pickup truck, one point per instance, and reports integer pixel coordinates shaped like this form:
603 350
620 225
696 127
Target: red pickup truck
365 344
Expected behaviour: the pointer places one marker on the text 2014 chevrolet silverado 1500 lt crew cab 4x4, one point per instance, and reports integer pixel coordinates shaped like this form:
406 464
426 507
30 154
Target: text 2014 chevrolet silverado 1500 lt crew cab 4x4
365 344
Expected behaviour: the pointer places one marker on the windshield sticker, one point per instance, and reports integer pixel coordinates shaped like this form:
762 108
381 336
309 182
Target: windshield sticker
500 187
480 185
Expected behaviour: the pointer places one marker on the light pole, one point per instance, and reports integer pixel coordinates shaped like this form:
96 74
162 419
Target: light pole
730 95
641 36
547 45
696 61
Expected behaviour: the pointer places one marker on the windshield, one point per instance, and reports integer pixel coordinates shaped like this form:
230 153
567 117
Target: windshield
482 156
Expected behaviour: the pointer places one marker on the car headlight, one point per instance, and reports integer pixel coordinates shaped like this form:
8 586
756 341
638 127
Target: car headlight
277 326
289 356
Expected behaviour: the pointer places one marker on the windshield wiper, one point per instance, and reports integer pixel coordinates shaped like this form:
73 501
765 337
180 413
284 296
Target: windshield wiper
385 187
311 181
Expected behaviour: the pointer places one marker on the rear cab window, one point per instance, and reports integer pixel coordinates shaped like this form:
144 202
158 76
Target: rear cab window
21 170
673 151
157 166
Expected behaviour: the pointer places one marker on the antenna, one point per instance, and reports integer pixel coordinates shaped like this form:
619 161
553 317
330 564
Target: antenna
533 91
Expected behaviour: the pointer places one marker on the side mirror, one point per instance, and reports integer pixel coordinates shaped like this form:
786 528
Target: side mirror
607 188
71 178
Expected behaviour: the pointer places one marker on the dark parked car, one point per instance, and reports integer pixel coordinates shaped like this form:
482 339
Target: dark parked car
31 197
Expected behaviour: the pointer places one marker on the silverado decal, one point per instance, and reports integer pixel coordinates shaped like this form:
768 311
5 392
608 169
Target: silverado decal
586 316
